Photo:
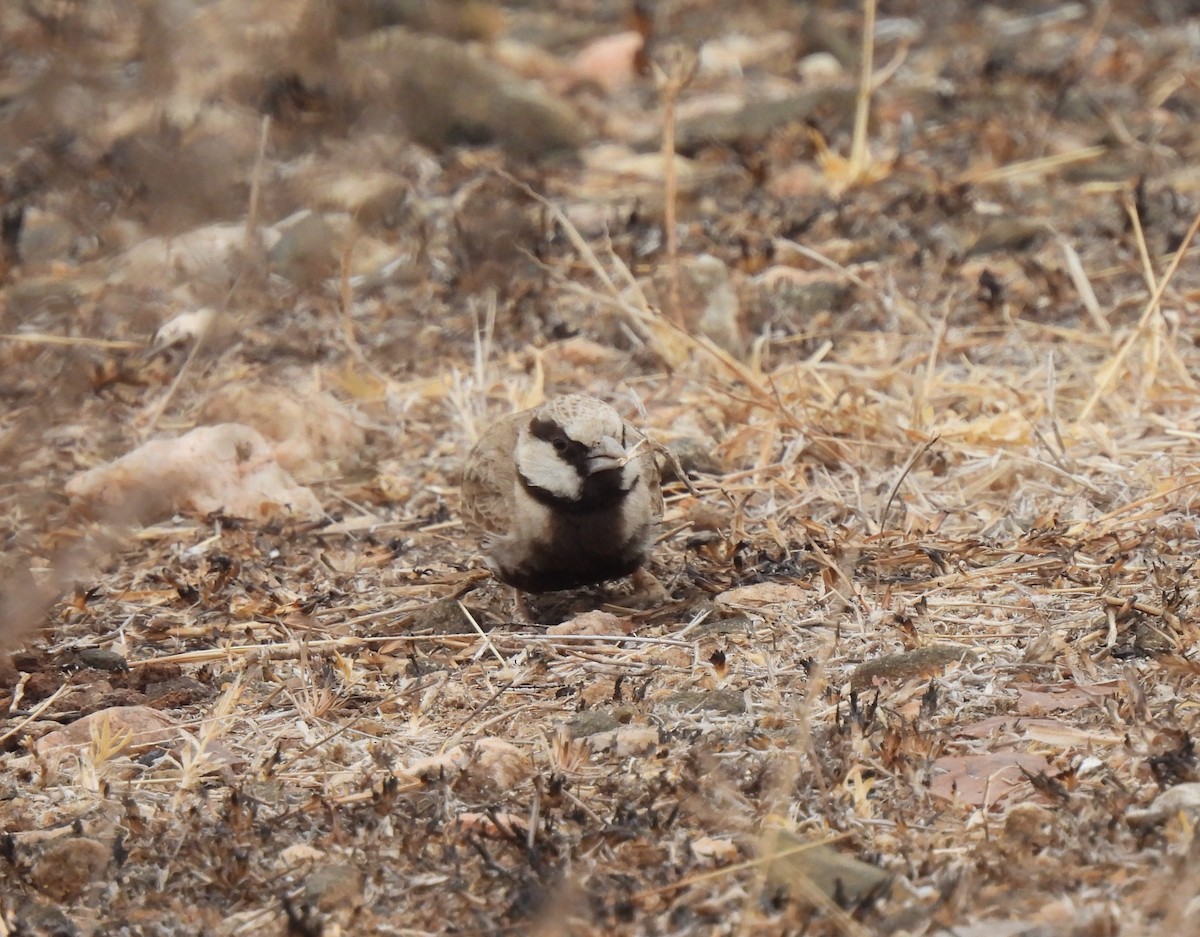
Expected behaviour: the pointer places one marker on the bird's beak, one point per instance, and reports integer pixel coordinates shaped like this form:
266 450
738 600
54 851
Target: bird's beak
606 454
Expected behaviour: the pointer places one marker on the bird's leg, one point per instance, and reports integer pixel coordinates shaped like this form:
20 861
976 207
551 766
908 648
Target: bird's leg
648 592
522 614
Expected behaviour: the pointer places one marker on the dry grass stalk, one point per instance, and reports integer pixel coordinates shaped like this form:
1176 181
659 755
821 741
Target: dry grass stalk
1161 346
671 81
1036 167
911 461
196 761
888 302
672 342
1113 368
82 341
104 745
252 244
1087 295
860 154
1139 239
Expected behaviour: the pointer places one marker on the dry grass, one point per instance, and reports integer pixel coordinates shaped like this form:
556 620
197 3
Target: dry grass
973 473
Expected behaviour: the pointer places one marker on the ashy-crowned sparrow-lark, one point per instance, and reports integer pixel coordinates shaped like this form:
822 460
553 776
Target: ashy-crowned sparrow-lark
563 495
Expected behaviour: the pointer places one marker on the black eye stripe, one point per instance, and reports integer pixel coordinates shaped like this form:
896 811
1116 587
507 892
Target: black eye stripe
573 453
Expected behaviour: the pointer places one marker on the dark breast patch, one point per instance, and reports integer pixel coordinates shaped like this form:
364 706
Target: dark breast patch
586 542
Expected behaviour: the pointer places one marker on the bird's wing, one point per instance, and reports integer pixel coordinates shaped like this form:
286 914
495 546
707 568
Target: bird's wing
649 471
489 477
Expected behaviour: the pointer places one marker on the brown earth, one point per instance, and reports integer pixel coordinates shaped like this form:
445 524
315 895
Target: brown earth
925 662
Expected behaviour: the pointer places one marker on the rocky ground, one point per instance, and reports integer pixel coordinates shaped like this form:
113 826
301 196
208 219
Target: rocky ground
923 662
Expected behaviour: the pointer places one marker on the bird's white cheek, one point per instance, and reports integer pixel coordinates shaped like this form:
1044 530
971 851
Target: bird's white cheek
541 466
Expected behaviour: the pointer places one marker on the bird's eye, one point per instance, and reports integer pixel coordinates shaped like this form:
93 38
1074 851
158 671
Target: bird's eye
560 444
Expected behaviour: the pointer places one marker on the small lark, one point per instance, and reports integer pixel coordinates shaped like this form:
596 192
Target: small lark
563 495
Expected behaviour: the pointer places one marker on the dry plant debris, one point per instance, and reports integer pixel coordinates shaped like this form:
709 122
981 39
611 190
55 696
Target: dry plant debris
921 332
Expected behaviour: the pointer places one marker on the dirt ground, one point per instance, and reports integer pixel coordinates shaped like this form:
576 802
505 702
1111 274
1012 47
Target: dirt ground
917 317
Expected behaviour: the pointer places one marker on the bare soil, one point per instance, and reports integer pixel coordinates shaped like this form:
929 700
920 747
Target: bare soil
925 657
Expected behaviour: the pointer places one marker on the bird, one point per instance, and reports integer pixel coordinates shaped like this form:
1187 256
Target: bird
563 495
